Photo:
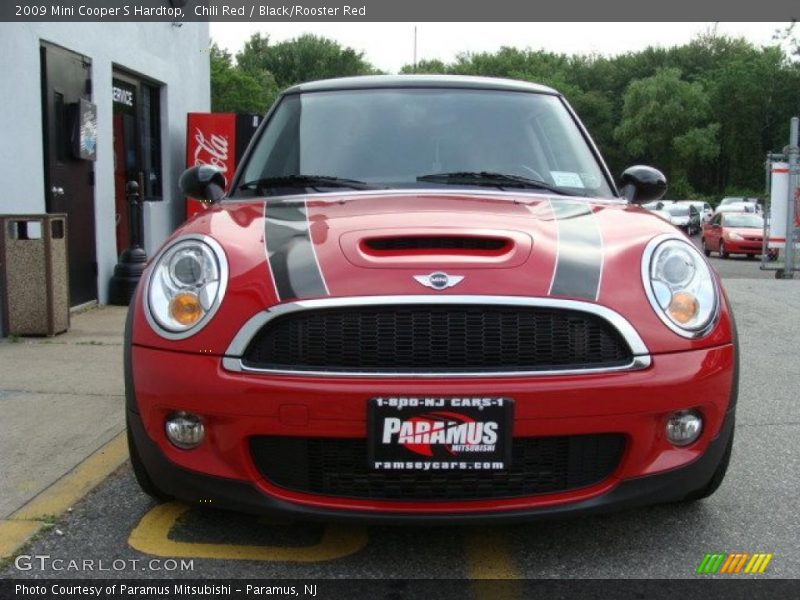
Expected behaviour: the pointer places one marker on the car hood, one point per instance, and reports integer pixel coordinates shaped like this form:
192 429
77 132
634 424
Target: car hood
748 232
502 244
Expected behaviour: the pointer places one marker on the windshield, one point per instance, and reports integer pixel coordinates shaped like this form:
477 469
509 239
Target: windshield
678 211
743 220
392 137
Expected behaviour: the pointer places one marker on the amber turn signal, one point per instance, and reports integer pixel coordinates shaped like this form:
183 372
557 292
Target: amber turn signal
683 307
185 308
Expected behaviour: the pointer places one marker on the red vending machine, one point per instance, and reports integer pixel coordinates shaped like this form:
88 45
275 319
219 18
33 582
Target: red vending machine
217 139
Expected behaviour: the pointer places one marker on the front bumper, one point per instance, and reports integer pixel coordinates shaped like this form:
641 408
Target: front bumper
237 406
743 246
240 496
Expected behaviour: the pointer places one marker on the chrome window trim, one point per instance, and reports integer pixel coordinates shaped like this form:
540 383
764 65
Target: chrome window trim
222 259
232 359
647 257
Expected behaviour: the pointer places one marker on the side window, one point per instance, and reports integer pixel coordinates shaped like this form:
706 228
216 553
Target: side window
717 220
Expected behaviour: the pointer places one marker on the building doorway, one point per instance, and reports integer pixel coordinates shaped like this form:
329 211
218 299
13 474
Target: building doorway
137 146
68 170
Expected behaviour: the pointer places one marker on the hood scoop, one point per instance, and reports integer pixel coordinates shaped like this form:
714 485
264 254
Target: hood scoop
438 247
438 244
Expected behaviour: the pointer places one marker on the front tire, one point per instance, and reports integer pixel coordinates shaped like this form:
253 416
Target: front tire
140 472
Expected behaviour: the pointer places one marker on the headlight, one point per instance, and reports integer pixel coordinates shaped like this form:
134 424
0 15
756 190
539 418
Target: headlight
679 285
186 286
732 235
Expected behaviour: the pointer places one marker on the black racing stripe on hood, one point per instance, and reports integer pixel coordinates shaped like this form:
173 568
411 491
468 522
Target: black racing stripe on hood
290 252
580 251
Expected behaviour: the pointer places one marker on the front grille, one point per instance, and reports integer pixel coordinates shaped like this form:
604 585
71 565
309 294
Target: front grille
338 467
436 338
480 244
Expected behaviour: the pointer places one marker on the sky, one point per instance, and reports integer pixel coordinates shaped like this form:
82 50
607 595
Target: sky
389 46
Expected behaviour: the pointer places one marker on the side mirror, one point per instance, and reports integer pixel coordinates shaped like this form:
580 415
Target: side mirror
642 184
203 182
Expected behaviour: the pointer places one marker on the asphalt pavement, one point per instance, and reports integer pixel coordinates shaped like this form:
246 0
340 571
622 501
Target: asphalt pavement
755 510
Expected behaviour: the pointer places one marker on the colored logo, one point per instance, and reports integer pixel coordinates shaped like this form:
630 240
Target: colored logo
455 432
737 562
439 280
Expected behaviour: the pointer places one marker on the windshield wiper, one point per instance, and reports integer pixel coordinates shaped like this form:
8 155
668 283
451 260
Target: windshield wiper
304 181
488 178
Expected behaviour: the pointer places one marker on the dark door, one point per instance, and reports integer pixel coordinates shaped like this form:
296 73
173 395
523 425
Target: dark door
69 181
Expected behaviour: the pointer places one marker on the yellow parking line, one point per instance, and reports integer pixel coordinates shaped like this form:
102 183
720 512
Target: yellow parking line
13 534
489 559
25 522
77 483
151 536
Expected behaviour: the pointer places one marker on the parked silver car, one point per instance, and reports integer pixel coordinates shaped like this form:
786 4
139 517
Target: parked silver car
704 208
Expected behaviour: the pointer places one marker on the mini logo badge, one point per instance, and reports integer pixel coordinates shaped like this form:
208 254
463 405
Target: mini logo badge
439 280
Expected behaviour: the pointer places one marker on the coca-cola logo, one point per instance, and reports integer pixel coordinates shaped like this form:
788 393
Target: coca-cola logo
211 150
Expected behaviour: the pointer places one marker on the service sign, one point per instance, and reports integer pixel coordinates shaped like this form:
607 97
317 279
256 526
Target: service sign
440 433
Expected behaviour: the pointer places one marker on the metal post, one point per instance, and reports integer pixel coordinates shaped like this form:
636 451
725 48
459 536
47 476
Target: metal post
415 48
792 151
133 259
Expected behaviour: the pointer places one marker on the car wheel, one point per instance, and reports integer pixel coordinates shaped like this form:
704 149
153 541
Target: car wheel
722 252
751 256
139 471
716 479
706 249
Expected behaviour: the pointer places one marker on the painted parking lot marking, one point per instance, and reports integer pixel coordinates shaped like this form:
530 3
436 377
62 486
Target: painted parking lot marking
36 514
152 536
489 559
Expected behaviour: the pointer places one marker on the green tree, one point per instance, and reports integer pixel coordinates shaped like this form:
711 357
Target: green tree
234 90
433 67
665 119
306 58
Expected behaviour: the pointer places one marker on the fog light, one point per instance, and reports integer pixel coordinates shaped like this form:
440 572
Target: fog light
684 427
184 430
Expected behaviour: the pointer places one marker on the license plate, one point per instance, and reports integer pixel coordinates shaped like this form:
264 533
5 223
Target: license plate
439 433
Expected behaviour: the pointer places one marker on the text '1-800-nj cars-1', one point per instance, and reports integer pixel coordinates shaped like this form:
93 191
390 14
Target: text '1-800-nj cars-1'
423 298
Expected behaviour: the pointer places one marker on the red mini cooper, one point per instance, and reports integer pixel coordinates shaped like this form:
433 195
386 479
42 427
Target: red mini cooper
424 299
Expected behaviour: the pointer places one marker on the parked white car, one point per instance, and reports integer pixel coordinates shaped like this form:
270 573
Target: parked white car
661 213
738 204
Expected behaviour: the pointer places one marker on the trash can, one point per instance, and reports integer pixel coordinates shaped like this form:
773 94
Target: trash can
33 270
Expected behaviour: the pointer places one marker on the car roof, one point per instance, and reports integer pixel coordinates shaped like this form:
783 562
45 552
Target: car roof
420 81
